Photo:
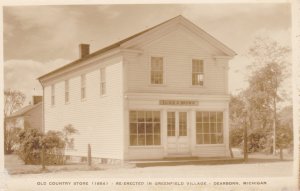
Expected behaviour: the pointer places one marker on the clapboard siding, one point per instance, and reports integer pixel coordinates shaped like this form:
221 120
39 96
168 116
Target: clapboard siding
210 151
137 153
178 51
35 117
99 119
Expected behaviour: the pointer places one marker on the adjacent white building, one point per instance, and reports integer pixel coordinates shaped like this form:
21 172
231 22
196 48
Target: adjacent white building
160 93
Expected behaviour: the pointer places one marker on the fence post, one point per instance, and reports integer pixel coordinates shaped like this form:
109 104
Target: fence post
43 159
89 155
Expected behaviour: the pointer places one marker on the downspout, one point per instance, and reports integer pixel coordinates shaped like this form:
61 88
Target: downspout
43 108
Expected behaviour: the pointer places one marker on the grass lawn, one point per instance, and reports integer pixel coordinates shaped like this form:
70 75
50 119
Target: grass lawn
261 162
14 165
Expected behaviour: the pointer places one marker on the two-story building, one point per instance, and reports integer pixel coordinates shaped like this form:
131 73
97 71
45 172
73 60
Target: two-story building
160 93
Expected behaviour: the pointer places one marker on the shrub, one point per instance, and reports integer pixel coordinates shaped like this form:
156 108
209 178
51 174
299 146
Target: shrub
32 142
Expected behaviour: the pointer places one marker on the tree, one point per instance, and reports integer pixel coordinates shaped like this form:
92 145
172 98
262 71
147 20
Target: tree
13 100
284 133
239 121
268 73
68 131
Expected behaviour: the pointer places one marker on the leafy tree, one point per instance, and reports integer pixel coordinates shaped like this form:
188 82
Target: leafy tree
13 100
33 143
240 120
68 131
268 73
284 133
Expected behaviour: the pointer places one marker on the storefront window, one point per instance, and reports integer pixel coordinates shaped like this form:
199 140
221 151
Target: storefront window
209 127
144 127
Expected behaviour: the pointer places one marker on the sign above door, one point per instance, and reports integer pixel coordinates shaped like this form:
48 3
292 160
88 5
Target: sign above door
179 102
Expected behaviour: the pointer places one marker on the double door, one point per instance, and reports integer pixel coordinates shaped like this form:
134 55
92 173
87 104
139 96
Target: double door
178 133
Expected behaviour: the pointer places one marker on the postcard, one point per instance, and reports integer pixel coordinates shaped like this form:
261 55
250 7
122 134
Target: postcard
150 96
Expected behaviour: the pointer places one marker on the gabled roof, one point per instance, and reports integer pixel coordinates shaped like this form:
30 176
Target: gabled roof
24 110
119 43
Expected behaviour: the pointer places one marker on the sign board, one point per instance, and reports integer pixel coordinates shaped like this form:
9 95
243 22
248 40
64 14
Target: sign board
179 102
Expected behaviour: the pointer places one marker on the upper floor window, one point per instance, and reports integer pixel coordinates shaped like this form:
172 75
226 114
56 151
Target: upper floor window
102 81
53 94
197 72
157 71
67 91
83 86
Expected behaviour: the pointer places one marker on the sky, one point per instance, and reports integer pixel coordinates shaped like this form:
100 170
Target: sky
38 39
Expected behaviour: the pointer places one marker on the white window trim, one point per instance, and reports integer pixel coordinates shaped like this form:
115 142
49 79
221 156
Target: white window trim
161 145
100 82
223 129
204 72
67 81
164 70
52 99
81 85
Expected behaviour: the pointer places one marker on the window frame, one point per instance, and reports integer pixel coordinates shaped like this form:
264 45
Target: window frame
203 72
216 133
163 72
67 91
102 81
145 122
83 87
53 95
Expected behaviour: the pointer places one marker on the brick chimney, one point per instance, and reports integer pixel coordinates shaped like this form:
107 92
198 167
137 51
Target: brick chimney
84 50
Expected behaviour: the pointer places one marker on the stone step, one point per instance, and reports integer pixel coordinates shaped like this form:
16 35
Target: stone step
190 161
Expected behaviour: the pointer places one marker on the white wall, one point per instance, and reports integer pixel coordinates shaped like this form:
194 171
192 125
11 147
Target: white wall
178 48
206 103
99 119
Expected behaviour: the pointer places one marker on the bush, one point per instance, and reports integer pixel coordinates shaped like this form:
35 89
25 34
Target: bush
31 143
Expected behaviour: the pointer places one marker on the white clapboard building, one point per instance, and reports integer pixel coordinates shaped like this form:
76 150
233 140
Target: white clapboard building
160 93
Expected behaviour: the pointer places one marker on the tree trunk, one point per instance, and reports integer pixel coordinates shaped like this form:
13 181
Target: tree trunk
5 136
43 159
230 150
274 127
89 155
245 143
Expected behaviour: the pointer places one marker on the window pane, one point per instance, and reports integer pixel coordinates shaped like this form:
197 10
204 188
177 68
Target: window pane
156 116
206 127
149 128
156 127
212 127
219 117
141 140
171 123
141 128
199 128
219 138
198 117
133 139
206 139
156 139
182 124
133 116
149 116
219 127
149 140
205 116
141 116
156 70
199 139
212 117
213 139
133 128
